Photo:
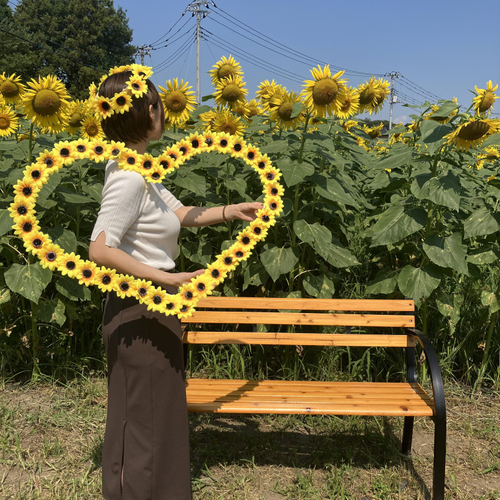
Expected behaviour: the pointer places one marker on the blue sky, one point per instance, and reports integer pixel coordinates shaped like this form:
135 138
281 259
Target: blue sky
441 47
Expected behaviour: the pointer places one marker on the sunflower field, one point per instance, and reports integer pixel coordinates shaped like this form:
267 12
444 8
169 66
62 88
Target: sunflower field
409 212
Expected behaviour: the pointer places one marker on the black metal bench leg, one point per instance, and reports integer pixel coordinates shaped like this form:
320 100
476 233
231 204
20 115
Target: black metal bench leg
439 458
407 435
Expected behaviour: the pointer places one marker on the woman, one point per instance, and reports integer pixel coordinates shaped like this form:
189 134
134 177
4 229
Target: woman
146 444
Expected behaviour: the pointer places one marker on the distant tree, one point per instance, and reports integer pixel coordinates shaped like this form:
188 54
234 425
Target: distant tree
77 40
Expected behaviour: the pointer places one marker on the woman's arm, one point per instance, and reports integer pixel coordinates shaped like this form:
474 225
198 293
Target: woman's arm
203 216
114 258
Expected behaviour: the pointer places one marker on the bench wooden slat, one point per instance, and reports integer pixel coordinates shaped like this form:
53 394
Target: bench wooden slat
381 305
313 339
307 319
243 396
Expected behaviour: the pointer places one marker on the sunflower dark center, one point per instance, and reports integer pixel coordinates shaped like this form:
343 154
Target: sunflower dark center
228 260
223 143
209 141
274 191
474 130
250 155
176 101
92 129
98 150
265 218
46 102
105 105
115 152
37 243
22 210
136 86
164 164
270 176
215 273
245 240
4 122
157 299
184 308
368 95
147 164
183 150
121 101
239 254
87 273
49 162
195 143
35 174
51 256
257 230
75 120
130 160
170 306
238 147
261 164
325 91
200 286
229 128
27 191
27 227
81 148
142 291
70 265
285 111
106 279
188 295
273 206
9 89
225 71
231 93
173 155
124 286
155 176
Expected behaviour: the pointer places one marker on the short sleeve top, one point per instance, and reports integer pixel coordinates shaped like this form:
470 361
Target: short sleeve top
138 217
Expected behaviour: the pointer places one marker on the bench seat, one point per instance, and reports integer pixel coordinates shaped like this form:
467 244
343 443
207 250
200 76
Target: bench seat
318 398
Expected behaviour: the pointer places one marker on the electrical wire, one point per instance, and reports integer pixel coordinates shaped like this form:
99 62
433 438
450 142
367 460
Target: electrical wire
307 58
292 76
190 30
166 40
417 88
271 68
171 28
407 98
175 57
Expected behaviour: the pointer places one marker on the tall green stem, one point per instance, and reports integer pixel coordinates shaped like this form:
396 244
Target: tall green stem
30 143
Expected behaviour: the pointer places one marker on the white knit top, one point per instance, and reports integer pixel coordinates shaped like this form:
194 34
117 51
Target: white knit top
138 217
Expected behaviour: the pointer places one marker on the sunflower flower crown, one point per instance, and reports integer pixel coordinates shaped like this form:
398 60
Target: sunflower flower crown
153 169
121 102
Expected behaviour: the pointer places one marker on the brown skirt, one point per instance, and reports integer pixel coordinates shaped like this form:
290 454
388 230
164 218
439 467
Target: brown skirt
146 436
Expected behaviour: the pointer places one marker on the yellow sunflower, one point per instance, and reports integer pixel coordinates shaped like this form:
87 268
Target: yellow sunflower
254 109
227 122
50 255
372 95
485 98
473 133
11 89
70 264
446 119
373 132
217 271
46 103
76 114
8 121
178 100
241 108
86 273
267 89
35 242
106 279
24 224
230 90
321 94
91 128
282 110
348 103
225 68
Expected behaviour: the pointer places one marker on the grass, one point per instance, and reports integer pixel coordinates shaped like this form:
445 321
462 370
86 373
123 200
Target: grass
51 443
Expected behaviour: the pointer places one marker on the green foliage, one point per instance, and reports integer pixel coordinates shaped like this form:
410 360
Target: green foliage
77 40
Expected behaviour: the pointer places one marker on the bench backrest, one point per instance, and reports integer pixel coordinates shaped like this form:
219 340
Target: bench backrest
225 316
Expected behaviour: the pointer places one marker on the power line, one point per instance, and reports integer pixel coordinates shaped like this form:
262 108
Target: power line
418 87
189 31
172 27
176 52
292 76
168 39
174 57
292 51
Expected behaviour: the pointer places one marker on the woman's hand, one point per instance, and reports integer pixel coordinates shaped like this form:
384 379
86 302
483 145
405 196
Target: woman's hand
178 279
243 211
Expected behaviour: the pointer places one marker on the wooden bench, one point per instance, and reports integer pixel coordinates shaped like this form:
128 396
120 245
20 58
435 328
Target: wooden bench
296 322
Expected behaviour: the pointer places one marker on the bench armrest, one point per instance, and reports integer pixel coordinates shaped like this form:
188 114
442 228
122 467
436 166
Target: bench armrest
435 371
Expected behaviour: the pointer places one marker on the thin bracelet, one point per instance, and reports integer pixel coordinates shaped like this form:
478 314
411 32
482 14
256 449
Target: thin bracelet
224 213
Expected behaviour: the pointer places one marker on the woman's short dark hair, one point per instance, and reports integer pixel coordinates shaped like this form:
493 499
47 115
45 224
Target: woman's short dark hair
132 126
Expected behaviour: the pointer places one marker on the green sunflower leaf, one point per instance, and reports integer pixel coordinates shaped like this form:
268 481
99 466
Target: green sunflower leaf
447 252
321 287
29 281
293 171
395 224
71 289
480 223
385 282
419 283
278 261
489 299
4 295
6 221
488 254
51 311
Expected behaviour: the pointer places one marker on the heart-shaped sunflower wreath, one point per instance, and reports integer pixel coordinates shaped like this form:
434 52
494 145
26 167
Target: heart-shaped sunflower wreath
153 169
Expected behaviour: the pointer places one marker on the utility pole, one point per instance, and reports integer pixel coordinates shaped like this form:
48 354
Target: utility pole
393 98
198 7
143 50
